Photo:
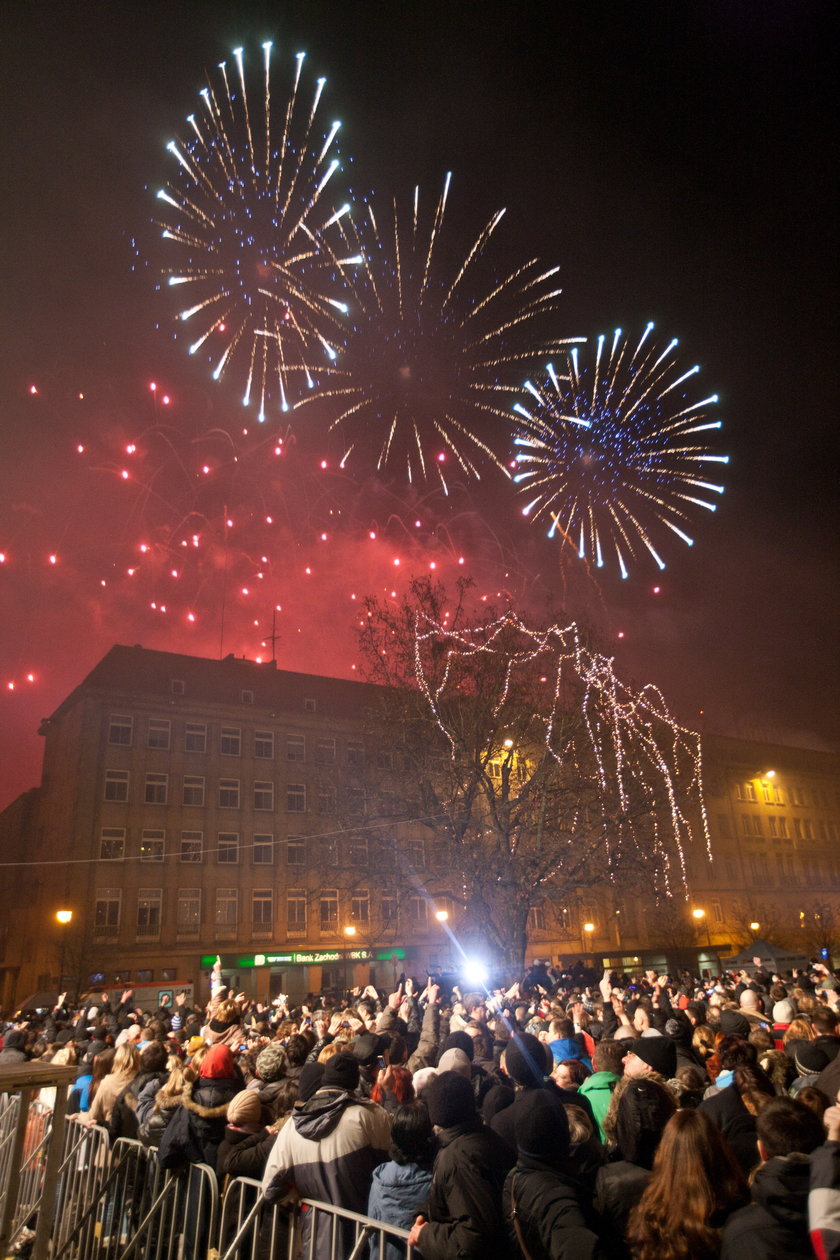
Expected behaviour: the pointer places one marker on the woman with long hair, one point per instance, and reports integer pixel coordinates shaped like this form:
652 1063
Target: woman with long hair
696 1184
124 1068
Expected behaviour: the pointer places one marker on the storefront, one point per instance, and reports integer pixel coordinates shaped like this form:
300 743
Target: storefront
297 973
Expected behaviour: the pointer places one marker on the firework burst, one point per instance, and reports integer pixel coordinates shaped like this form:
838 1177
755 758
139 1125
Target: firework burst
248 217
613 451
424 369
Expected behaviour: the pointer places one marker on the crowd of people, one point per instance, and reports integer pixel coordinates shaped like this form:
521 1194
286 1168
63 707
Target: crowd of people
643 1117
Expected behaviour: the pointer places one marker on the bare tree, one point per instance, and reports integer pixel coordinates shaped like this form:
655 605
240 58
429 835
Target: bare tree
521 753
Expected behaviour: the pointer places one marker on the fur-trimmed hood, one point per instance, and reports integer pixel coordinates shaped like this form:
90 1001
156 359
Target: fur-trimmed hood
213 1097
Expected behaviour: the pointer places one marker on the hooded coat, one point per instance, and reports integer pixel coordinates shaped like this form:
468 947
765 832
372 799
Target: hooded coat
397 1193
195 1132
465 1210
775 1225
328 1151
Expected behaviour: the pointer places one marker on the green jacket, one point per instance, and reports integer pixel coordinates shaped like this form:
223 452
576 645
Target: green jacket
599 1089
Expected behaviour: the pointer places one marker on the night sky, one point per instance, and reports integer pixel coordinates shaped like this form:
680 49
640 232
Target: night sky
674 159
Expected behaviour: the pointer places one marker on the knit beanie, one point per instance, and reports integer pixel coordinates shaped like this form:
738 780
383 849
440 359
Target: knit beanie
459 1040
525 1060
271 1063
659 1053
455 1060
450 1100
734 1022
309 1081
783 1012
810 1058
245 1109
342 1072
217 1064
421 1079
541 1126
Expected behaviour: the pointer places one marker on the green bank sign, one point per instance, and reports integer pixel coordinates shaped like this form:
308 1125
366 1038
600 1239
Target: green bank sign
305 957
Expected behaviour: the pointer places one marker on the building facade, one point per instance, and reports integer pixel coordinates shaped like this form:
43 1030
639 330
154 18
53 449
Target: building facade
190 807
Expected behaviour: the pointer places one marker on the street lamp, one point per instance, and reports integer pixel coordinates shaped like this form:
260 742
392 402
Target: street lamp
442 916
64 918
754 926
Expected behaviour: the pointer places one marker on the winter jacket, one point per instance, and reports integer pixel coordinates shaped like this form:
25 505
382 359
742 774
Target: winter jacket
504 1121
154 1111
397 1194
249 1157
736 1123
195 1132
426 1054
569 1048
328 1151
549 1210
107 1093
618 1188
233 1139
598 1089
465 1217
775 1225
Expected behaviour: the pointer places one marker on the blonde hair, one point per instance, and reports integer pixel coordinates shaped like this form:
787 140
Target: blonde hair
126 1059
798 1029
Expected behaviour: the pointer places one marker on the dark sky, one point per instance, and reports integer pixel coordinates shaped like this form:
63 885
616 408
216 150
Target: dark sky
676 160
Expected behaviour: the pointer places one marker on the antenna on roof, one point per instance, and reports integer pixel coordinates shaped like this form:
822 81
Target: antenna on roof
273 637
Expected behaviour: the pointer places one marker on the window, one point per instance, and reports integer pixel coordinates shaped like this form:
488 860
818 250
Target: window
384 761
325 751
564 918
149 912
247 697
783 827
228 851
177 687
159 733
230 743
295 910
388 909
116 785
296 798
326 799
717 910
360 907
416 850
263 850
798 829
328 910
120 729
296 748
773 824
188 920
263 794
536 919
417 911
229 793
357 851
112 844
310 705
106 912
192 791
328 851
227 908
195 737
262 909
144 975
296 851
723 827
355 753
156 788
192 846
264 744
152 846
745 791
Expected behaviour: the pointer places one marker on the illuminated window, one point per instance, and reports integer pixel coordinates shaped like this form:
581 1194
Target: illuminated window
264 744
745 791
112 844
152 846
116 785
230 742
120 729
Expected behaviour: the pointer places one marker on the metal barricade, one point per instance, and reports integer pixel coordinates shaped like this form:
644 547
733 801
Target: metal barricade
84 1167
250 1229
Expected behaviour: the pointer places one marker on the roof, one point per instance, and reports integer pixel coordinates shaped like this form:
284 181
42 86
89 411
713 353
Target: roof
143 672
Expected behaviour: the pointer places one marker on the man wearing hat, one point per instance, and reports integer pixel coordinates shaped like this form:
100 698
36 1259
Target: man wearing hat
651 1054
329 1150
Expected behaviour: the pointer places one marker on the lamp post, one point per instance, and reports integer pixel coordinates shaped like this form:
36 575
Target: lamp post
699 917
588 928
64 918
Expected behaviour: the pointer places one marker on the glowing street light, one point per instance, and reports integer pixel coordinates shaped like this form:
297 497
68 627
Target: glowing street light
64 916
589 928
442 915
754 926
350 930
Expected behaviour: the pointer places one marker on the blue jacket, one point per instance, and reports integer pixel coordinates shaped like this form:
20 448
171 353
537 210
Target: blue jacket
397 1194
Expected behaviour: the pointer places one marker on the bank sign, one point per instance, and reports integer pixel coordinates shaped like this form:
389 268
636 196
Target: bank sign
307 957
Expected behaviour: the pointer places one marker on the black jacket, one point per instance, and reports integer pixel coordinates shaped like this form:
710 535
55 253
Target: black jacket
195 1132
465 1218
549 1210
775 1225
736 1124
618 1188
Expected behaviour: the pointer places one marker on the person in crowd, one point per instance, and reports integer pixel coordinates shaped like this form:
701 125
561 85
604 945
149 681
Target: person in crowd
464 1215
118 1078
196 1130
775 1224
400 1187
694 1187
598 1088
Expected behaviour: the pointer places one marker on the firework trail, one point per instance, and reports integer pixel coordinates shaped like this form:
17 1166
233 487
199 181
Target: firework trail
613 450
424 370
249 217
